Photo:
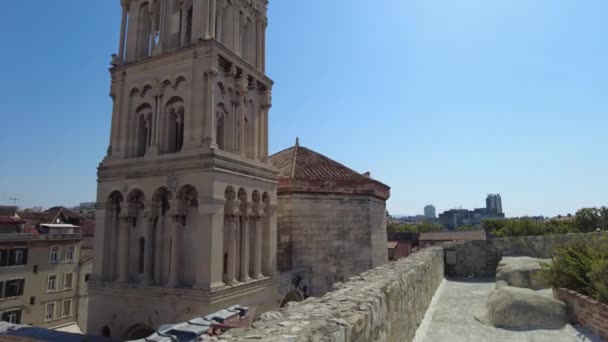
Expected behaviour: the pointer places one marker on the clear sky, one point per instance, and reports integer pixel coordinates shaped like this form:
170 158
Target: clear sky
443 100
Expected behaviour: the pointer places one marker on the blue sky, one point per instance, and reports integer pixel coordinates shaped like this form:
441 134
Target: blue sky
443 100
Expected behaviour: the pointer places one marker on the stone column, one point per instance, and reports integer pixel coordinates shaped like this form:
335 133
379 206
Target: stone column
151 216
231 267
210 249
158 123
245 248
257 263
210 139
218 22
126 222
184 28
270 240
264 26
212 16
159 246
176 245
123 28
162 25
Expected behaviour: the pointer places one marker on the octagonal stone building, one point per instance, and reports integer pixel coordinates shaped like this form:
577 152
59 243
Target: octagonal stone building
331 218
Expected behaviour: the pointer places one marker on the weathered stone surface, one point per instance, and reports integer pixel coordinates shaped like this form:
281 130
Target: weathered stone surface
480 258
384 304
520 272
523 309
477 259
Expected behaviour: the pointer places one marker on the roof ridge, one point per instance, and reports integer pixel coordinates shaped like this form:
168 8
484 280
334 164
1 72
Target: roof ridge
295 158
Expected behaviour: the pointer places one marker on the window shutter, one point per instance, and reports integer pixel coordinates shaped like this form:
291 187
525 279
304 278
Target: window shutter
3 257
21 286
1 289
25 250
18 316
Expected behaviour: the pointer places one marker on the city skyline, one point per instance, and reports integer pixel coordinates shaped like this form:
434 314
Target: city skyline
506 107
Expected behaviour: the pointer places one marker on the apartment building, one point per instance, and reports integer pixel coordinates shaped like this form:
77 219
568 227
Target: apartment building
41 274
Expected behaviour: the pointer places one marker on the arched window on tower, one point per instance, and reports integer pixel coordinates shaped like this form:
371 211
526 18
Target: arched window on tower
142 136
144 31
175 126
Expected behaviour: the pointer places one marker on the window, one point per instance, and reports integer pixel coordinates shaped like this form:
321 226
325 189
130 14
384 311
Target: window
13 257
17 256
87 277
69 253
54 257
14 287
68 280
51 284
12 316
32 300
66 310
49 311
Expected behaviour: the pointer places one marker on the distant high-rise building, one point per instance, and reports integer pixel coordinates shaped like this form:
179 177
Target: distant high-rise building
429 212
494 203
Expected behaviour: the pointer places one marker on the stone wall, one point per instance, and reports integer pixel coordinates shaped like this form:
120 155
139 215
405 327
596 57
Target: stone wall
584 310
539 246
384 304
480 258
472 258
336 236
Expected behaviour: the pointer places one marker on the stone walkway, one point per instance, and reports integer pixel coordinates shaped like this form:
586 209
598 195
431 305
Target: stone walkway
451 318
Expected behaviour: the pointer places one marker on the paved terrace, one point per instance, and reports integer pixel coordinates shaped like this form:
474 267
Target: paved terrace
451 317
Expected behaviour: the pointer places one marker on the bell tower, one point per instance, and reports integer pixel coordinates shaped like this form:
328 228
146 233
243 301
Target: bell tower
186 199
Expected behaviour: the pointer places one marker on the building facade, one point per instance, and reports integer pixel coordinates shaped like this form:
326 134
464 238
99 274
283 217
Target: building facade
494 203
429 212
39 274
186 200
331 219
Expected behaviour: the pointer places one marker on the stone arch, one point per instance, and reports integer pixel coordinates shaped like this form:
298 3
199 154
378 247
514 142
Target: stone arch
137 332
105 331
189 194
242 196
162 196
140 133
255 196
136 196
114 201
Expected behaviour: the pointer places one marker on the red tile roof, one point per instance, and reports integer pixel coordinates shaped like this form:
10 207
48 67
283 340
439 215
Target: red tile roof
301 163
11 220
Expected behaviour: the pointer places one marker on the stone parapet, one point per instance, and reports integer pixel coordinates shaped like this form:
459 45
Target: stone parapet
480 258
584 310
384 304
540 246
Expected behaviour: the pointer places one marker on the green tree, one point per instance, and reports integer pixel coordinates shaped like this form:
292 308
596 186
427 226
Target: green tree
587 219
429 227
603 221
468 228
491 226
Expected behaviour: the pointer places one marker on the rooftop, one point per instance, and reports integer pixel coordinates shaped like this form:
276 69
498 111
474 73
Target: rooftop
303 168
451 317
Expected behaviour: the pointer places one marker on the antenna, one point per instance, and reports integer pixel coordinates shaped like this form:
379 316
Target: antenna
14 199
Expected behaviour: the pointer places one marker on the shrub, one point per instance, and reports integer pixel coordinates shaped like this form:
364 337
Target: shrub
580 266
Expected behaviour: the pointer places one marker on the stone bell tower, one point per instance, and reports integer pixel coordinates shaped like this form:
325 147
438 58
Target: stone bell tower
185 220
